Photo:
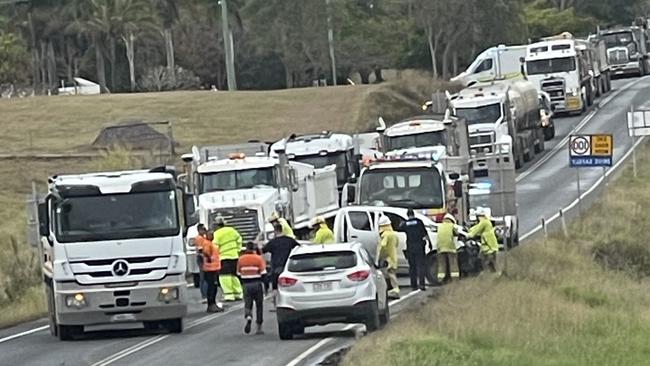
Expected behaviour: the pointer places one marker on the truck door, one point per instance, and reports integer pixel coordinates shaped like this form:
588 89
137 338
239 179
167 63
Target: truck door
360 229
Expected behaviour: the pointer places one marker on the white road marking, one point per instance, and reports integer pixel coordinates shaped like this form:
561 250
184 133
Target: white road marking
609 172
22 334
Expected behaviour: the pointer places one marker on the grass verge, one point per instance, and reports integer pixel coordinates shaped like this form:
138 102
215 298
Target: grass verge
582 300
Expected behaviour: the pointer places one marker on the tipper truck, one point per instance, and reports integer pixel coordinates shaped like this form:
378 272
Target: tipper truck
627 50
112 250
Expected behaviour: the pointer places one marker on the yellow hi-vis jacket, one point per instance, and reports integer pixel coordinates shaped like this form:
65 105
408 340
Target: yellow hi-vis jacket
484 228
286 228
445 237
324 235
229 242
388 246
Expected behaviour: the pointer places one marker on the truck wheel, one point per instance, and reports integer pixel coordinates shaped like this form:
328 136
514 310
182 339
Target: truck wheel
599 86
432 273
174 325
384 316
528 156
549 132
372 317
590 96
69 332
539 146
608 81
285 330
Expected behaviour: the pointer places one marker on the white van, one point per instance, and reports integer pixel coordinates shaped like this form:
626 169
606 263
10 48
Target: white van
495 62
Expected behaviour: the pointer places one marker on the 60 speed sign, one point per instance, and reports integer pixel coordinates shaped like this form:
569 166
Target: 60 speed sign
591 150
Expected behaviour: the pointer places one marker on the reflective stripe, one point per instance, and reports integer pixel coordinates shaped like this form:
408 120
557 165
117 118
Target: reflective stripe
453 275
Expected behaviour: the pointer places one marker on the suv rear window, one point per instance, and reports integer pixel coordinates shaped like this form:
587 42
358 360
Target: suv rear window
320 261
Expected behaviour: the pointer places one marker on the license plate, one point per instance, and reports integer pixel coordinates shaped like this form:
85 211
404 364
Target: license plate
123 318
322 286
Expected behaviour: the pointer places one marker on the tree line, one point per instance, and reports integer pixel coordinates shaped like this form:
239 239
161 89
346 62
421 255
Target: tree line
150 45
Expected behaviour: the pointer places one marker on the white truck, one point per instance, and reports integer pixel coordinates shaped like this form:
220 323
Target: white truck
321 150
501 112
247 190
627 50
559 67
494 63
112 250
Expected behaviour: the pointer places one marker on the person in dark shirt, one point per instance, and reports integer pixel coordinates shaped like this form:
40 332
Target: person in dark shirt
416 238
279 247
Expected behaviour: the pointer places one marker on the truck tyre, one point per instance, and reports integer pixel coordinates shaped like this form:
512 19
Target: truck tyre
590 95
431 273
298 329
54 327
599 86
174 325
285 330
372 317
384 316
549 133
609 82
539 146
69 332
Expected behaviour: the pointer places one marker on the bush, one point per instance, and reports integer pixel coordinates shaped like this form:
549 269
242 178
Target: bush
160 79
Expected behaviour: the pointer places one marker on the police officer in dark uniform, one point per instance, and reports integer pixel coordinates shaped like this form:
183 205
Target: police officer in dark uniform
416 239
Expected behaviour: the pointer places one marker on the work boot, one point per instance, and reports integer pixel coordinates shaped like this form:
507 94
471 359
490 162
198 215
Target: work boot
393 295
247 327
259 330
423 288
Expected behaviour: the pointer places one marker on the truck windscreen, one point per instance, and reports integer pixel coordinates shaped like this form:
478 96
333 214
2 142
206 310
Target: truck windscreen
237 179
485 114
408 188
320 161
117 217
551 65
621 39
427 139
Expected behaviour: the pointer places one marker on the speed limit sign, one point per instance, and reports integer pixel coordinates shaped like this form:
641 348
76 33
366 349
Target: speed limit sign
580 145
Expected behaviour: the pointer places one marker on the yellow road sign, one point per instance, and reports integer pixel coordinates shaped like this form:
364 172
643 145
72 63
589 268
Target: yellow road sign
602 145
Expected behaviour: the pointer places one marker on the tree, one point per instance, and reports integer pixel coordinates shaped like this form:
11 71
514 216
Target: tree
168 11
14 65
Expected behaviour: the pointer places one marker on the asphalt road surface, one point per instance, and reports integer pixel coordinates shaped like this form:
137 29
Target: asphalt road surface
544 185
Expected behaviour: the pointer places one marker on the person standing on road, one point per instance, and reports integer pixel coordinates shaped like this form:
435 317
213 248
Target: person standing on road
416 238
286 228
388 253
229 243
279 247
202 234
489 244
324 234
447 248
210 268
251 267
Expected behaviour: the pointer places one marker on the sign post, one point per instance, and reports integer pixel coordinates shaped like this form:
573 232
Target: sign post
586 151
638 124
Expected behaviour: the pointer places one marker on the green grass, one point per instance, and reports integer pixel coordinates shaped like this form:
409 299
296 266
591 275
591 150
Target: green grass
582 300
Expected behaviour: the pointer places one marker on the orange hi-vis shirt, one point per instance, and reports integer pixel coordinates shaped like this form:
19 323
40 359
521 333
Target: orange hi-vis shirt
211 260
251 266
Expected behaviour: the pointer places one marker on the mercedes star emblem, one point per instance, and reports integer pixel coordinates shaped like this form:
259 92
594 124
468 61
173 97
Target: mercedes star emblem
120 268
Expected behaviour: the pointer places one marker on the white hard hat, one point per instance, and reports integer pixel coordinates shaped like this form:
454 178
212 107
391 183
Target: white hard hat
481 211
219 220
450 217
274 217
317 220
384 220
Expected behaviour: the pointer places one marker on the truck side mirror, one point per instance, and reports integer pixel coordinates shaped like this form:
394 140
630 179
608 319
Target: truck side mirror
454 176
351 193
43 220
189 210
293 180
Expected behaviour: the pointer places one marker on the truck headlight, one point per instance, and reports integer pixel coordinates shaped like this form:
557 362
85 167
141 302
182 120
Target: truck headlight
77 301
574 92
168 294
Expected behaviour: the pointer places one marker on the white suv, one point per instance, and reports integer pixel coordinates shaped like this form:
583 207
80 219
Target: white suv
332 283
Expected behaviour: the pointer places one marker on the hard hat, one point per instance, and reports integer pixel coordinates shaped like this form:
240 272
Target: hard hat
274 217
481 211
450 217
317 221
384 220
219 221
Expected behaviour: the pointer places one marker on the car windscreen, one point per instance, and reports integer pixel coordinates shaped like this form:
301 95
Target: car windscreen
617 39
552 65
485 114
427 139
116 216
237 179
405 187
321 161
314 262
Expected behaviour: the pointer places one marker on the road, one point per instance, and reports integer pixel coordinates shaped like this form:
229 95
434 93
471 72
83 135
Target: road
544 186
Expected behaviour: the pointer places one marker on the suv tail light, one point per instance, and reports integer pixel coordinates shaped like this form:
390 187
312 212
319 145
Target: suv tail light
286 281
359 276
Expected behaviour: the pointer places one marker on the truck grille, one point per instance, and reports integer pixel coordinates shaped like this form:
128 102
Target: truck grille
482 142
555 89
243 219
618 57
101 270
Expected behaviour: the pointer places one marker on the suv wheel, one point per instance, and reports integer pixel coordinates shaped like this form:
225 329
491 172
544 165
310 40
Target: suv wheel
372 317
285 330
174 325
384 316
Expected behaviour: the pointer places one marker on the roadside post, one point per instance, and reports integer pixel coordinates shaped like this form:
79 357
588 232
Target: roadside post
587 151
638 124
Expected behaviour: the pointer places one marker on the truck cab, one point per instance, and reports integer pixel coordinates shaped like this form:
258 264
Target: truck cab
112 249
626 50
321 150
432 135
493 63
